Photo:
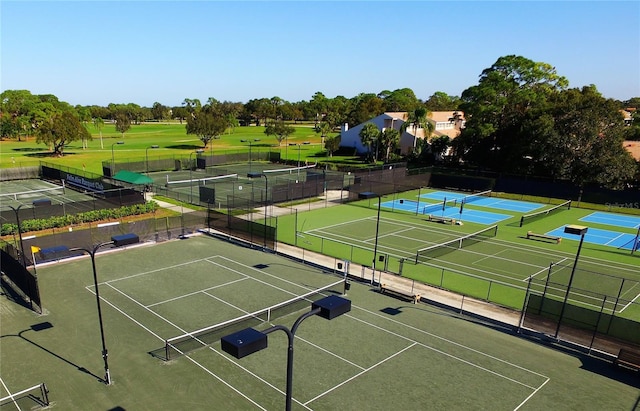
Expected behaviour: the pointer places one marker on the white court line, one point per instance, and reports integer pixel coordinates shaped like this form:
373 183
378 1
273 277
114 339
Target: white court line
338 224
251 373
10 394
447 354
196 292
616 237
532 394
630 302
359 374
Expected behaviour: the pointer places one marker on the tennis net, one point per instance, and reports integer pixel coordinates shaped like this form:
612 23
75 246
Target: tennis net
292 170
432 208
191 341
28 195
201 181
544 213
475 197
438 250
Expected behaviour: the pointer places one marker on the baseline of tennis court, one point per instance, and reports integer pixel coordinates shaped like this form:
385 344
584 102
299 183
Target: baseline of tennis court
618 220
490 202
601 237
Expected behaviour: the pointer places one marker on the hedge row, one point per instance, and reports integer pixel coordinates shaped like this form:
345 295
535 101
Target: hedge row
73 219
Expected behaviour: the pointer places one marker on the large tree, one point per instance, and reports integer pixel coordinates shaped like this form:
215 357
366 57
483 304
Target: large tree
513 89
207 125
580 138
279 130
61 129
332 144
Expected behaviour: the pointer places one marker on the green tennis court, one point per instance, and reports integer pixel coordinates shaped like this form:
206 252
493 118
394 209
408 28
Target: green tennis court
383 354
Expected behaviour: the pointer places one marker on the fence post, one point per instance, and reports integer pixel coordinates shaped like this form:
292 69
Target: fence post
595 331
524 305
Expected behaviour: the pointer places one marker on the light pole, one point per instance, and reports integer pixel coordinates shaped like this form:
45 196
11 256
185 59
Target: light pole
250 340
146 157
117 241
369 195
576 230
113 160
266 198
251 142
34 203
198 151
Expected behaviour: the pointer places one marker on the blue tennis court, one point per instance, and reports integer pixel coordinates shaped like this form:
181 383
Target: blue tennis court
618 220
482 201
474 216
599 236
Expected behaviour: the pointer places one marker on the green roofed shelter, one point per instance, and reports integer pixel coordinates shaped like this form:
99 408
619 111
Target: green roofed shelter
132 178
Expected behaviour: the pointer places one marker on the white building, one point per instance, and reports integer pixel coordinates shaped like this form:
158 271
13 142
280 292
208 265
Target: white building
448 123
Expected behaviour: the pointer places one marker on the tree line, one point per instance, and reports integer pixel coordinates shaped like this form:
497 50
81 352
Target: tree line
521 118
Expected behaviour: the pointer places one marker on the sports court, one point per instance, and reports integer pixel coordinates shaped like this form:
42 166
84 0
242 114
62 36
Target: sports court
483 200
618 220
600 236
383 354
446 210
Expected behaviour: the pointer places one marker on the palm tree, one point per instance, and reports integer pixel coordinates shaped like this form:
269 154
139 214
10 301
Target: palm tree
98 123
369 135
389 139
418 119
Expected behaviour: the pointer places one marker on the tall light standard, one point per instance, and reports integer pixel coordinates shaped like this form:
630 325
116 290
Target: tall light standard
191 167
16 211
364 196
299 147
251 142
116 241
113 160
250 340
146 157
576 230
266 198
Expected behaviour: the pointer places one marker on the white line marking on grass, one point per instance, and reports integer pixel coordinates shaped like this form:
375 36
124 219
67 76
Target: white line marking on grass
254 375
438 337
260 281
160 269
10 395
450 355
629 303
225 382
359 374
531 395
331 353
227 303
196 292
138 322
338 224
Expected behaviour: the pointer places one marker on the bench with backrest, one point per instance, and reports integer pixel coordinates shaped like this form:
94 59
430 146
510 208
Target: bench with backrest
531 234
398 292
628 359
443 220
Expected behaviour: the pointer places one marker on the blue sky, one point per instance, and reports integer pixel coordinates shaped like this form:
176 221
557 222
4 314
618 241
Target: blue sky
92 52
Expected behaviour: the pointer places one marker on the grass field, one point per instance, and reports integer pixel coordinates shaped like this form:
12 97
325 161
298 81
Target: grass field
384 354
171 137
496 269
